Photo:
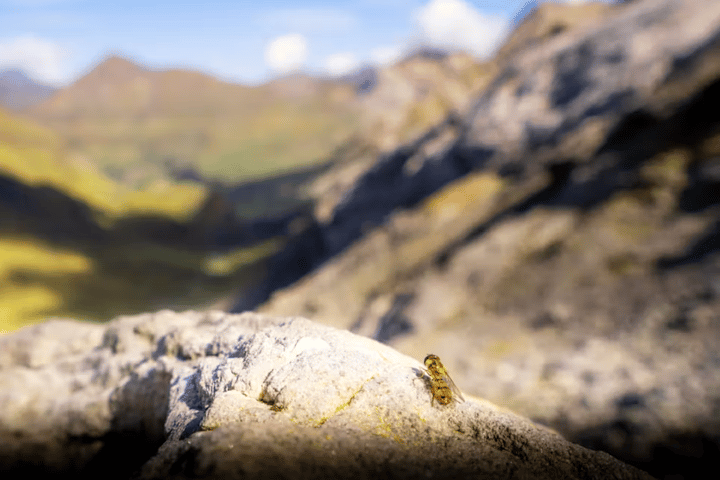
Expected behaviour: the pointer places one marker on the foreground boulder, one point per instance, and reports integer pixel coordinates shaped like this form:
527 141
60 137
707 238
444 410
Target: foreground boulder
235 396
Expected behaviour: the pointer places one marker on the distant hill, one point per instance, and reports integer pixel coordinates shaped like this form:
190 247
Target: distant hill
137 123
118 88
18 91
97 167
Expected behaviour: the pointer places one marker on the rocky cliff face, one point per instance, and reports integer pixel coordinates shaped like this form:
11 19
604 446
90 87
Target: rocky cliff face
558 243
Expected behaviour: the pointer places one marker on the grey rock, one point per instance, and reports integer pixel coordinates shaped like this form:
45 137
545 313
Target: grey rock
578 108
563 98
213 395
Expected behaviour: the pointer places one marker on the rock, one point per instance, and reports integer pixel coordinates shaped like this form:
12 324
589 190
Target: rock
409 105
416 93
213 395
549 19
571 98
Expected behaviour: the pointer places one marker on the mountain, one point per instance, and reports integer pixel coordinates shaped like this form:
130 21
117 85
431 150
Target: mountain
172 166
548 19
429 89
362 79
418 92
557 241
118 88
400 104
136 122
18 91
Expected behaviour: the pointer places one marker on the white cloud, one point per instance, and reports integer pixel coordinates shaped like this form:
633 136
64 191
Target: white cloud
41 59
341 63
286 53
386 55
456 24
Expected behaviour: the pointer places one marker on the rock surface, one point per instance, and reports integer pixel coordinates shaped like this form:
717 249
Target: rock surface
213 395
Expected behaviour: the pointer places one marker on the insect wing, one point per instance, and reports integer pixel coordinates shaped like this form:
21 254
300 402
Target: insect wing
451 384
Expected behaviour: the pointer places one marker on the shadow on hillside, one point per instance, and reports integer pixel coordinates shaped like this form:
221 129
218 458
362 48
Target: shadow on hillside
141 262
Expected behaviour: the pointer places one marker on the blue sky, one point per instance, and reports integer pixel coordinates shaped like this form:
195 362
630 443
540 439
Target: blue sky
56 41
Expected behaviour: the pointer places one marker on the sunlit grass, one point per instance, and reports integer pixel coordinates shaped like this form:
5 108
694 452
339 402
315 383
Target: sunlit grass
24 133
224 264
35 166
21 301
39 280
232 145
22 306
274 143
469 192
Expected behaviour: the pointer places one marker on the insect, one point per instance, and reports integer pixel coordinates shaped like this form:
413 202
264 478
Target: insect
441 385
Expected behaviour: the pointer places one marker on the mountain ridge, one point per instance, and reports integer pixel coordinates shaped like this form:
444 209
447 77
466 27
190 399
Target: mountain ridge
136 121
18 91
119 86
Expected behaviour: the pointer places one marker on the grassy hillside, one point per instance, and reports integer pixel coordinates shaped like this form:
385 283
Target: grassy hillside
95 280
137 124
37 156
87 172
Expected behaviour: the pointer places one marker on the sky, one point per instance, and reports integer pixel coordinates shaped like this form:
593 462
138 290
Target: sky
57 41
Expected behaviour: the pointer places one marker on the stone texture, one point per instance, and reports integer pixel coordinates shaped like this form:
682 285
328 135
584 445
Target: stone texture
563 98
212 395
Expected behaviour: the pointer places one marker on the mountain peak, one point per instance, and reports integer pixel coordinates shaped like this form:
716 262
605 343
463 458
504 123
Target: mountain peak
115 69
119 61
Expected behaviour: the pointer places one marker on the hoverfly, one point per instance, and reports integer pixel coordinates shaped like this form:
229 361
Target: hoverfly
441 385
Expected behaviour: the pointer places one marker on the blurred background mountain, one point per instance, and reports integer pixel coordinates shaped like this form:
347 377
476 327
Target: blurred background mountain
18 91
545 218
